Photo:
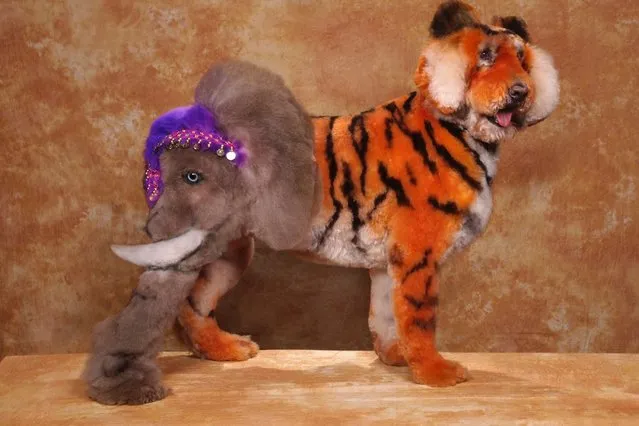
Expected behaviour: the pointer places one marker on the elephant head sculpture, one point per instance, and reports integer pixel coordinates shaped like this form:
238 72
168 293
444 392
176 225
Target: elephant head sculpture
239 162
235 165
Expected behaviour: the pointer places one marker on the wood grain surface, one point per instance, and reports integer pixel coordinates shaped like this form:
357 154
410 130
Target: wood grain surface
335 387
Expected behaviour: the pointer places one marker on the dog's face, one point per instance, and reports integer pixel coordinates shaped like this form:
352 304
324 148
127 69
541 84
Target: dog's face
488 78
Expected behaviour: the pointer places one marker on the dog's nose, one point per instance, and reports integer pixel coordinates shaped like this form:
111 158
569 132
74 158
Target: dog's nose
518 92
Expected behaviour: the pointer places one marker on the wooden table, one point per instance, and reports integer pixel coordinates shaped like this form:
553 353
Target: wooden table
335 387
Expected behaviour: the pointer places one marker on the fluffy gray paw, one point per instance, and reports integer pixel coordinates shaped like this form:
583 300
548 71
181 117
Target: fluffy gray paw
118 379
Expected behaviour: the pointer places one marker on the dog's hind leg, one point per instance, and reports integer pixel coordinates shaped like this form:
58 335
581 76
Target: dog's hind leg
197 324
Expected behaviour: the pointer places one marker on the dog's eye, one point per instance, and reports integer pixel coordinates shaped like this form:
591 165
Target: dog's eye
192 178
486 55
520 55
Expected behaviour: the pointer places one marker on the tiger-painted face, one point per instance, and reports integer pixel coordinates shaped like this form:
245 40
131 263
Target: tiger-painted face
489 79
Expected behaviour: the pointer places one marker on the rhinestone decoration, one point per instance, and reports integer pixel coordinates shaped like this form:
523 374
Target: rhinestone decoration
232 151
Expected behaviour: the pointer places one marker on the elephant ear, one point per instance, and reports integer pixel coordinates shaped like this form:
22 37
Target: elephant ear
254 106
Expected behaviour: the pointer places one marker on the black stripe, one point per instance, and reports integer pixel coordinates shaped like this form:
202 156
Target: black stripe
429 302
408 102
388 131
419 265
332 175
348 189
417 304
458 133
490 147
394 185
376 203
449 207
411 176
452 162
429 282
453 129
426 325
359 137
417 139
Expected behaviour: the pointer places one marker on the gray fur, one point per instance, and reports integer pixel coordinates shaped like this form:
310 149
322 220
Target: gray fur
271 197
122 367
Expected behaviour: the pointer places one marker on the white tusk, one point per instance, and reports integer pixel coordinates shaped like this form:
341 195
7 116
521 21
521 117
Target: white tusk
162 253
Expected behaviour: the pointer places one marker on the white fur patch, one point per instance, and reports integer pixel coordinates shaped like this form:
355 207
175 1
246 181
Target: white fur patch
162 253
546 80
338 247
481 208
381 320
446 71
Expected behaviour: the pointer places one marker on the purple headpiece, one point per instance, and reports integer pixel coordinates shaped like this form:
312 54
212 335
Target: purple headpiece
189 127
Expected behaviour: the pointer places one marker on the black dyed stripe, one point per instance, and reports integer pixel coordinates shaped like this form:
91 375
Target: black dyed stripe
449 207
453 129
458 133
388 131
452 162
394 185
428 302
411 176
429 282
408 103
490 147
332 175
419 265
417 139
376 203
426 325
348 189
360 138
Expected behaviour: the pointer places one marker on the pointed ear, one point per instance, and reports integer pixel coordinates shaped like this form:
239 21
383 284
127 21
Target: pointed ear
514 24
452 16
254 105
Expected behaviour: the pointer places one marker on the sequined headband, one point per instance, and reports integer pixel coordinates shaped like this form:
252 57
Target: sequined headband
190 127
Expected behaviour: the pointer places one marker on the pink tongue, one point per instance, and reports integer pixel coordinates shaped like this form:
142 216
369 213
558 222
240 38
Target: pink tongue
503 118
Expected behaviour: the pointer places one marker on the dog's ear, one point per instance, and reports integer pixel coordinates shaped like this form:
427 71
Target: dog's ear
441 76
254 106
452 16
515 24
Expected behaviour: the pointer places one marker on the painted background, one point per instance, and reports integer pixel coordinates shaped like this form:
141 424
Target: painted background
81 81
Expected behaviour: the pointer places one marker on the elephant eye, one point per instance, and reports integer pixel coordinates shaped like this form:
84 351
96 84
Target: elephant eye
192 178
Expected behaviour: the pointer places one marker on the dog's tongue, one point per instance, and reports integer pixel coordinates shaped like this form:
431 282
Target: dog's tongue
503 118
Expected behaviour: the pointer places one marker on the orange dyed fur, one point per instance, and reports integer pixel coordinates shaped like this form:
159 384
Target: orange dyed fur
399 185
412 230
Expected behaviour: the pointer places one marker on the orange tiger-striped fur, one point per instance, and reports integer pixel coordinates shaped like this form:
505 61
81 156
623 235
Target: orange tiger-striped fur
406 183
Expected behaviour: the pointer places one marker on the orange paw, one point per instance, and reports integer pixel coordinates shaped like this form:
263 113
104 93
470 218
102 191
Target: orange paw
207 340
439 373
225 347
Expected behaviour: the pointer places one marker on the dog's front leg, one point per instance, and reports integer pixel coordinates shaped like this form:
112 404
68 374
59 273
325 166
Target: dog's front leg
122 367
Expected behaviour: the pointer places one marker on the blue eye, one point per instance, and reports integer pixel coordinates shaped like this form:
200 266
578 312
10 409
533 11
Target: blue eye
192 178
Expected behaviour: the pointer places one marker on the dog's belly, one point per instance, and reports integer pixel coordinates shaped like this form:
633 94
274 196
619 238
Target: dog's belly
342 246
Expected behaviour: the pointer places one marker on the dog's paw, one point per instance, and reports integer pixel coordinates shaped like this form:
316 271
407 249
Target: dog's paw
225 347
123 380
439 373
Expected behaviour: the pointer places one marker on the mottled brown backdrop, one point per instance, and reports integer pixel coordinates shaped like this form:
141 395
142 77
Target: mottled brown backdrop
81 81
